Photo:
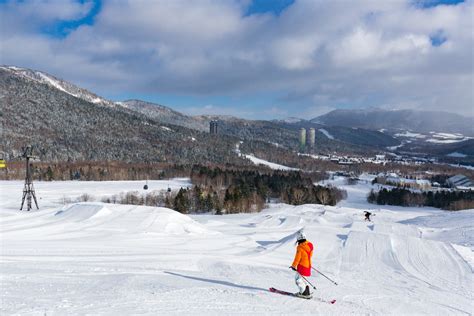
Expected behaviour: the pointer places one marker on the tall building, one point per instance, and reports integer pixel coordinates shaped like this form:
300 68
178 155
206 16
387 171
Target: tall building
311 138
302 138
213 127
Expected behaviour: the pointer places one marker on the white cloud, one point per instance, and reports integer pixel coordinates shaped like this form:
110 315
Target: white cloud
318 54
29 14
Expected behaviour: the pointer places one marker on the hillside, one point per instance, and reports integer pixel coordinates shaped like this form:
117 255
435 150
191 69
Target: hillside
39 77
68 123
66 127
165 114
280 133
352 138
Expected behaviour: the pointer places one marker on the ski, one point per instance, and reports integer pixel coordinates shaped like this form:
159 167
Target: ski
327 301
274 290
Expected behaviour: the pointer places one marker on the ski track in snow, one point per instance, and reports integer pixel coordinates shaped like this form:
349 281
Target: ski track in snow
95 258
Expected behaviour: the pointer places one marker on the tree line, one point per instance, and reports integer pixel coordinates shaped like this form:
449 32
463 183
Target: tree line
240 190
443 199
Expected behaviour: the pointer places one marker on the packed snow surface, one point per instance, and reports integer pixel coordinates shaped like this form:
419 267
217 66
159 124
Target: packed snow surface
96 258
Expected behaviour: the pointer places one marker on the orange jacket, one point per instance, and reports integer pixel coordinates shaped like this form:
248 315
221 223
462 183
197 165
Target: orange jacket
302 262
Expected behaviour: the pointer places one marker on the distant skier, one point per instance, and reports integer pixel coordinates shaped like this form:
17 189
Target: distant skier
367 216
302 264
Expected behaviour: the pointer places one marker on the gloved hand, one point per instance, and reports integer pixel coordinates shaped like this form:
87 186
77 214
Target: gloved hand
292 268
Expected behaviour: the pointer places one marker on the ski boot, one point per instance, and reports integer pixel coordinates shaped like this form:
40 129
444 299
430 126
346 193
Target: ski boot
306 294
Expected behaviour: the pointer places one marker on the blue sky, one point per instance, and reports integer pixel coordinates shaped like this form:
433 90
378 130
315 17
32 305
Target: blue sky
257 59
61 28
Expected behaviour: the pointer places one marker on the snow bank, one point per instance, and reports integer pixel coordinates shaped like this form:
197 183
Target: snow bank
129 218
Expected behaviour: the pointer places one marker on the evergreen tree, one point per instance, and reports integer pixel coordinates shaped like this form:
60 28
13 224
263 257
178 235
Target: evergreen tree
181 201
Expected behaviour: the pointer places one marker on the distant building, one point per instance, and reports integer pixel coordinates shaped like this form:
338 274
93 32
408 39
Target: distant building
311 137
302 138
213 127
459 181
395 180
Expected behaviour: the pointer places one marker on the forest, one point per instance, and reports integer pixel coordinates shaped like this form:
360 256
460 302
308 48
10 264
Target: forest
444 199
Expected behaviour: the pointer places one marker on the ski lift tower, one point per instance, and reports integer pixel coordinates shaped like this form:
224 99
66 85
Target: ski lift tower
28 190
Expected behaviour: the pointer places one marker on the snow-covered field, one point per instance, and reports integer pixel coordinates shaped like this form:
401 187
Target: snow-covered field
434 137
95 258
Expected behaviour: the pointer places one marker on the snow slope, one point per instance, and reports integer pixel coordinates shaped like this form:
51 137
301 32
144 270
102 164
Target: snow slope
326 133
59 84
95 258
258 161
269 164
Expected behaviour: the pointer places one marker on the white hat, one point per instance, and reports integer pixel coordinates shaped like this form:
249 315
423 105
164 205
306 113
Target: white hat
300 236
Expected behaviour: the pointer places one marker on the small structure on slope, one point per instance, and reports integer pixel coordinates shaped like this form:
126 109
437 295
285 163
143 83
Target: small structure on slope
28 190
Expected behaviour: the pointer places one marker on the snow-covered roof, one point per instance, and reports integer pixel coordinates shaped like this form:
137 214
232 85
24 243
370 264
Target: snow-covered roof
460 180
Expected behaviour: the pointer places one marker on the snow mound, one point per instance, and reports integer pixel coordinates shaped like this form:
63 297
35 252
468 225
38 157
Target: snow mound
390 228
130 218
366 252
81 212
289 239
276 220
447 226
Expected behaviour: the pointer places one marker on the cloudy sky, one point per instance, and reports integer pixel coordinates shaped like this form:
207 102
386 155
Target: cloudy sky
252 58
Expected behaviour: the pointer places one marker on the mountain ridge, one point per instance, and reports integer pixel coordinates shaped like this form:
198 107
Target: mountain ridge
396 120
58 115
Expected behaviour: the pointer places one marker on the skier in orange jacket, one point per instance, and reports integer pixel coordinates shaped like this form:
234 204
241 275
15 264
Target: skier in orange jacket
302 263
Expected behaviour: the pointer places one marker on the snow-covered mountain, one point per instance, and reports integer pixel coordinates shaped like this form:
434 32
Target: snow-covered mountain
289 120
67 123
40 103
62 85
400 121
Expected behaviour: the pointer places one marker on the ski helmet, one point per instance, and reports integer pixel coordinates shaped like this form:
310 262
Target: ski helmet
300 236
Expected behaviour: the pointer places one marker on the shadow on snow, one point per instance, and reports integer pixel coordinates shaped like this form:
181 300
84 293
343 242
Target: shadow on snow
226 283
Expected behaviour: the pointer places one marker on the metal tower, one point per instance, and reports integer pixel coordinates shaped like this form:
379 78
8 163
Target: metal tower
28 190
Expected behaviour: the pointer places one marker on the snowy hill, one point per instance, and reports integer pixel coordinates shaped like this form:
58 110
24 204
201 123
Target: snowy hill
56 83
95 258
65 126
165 114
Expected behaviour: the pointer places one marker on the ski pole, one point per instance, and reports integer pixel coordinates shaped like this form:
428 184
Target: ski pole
324 275
307 281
